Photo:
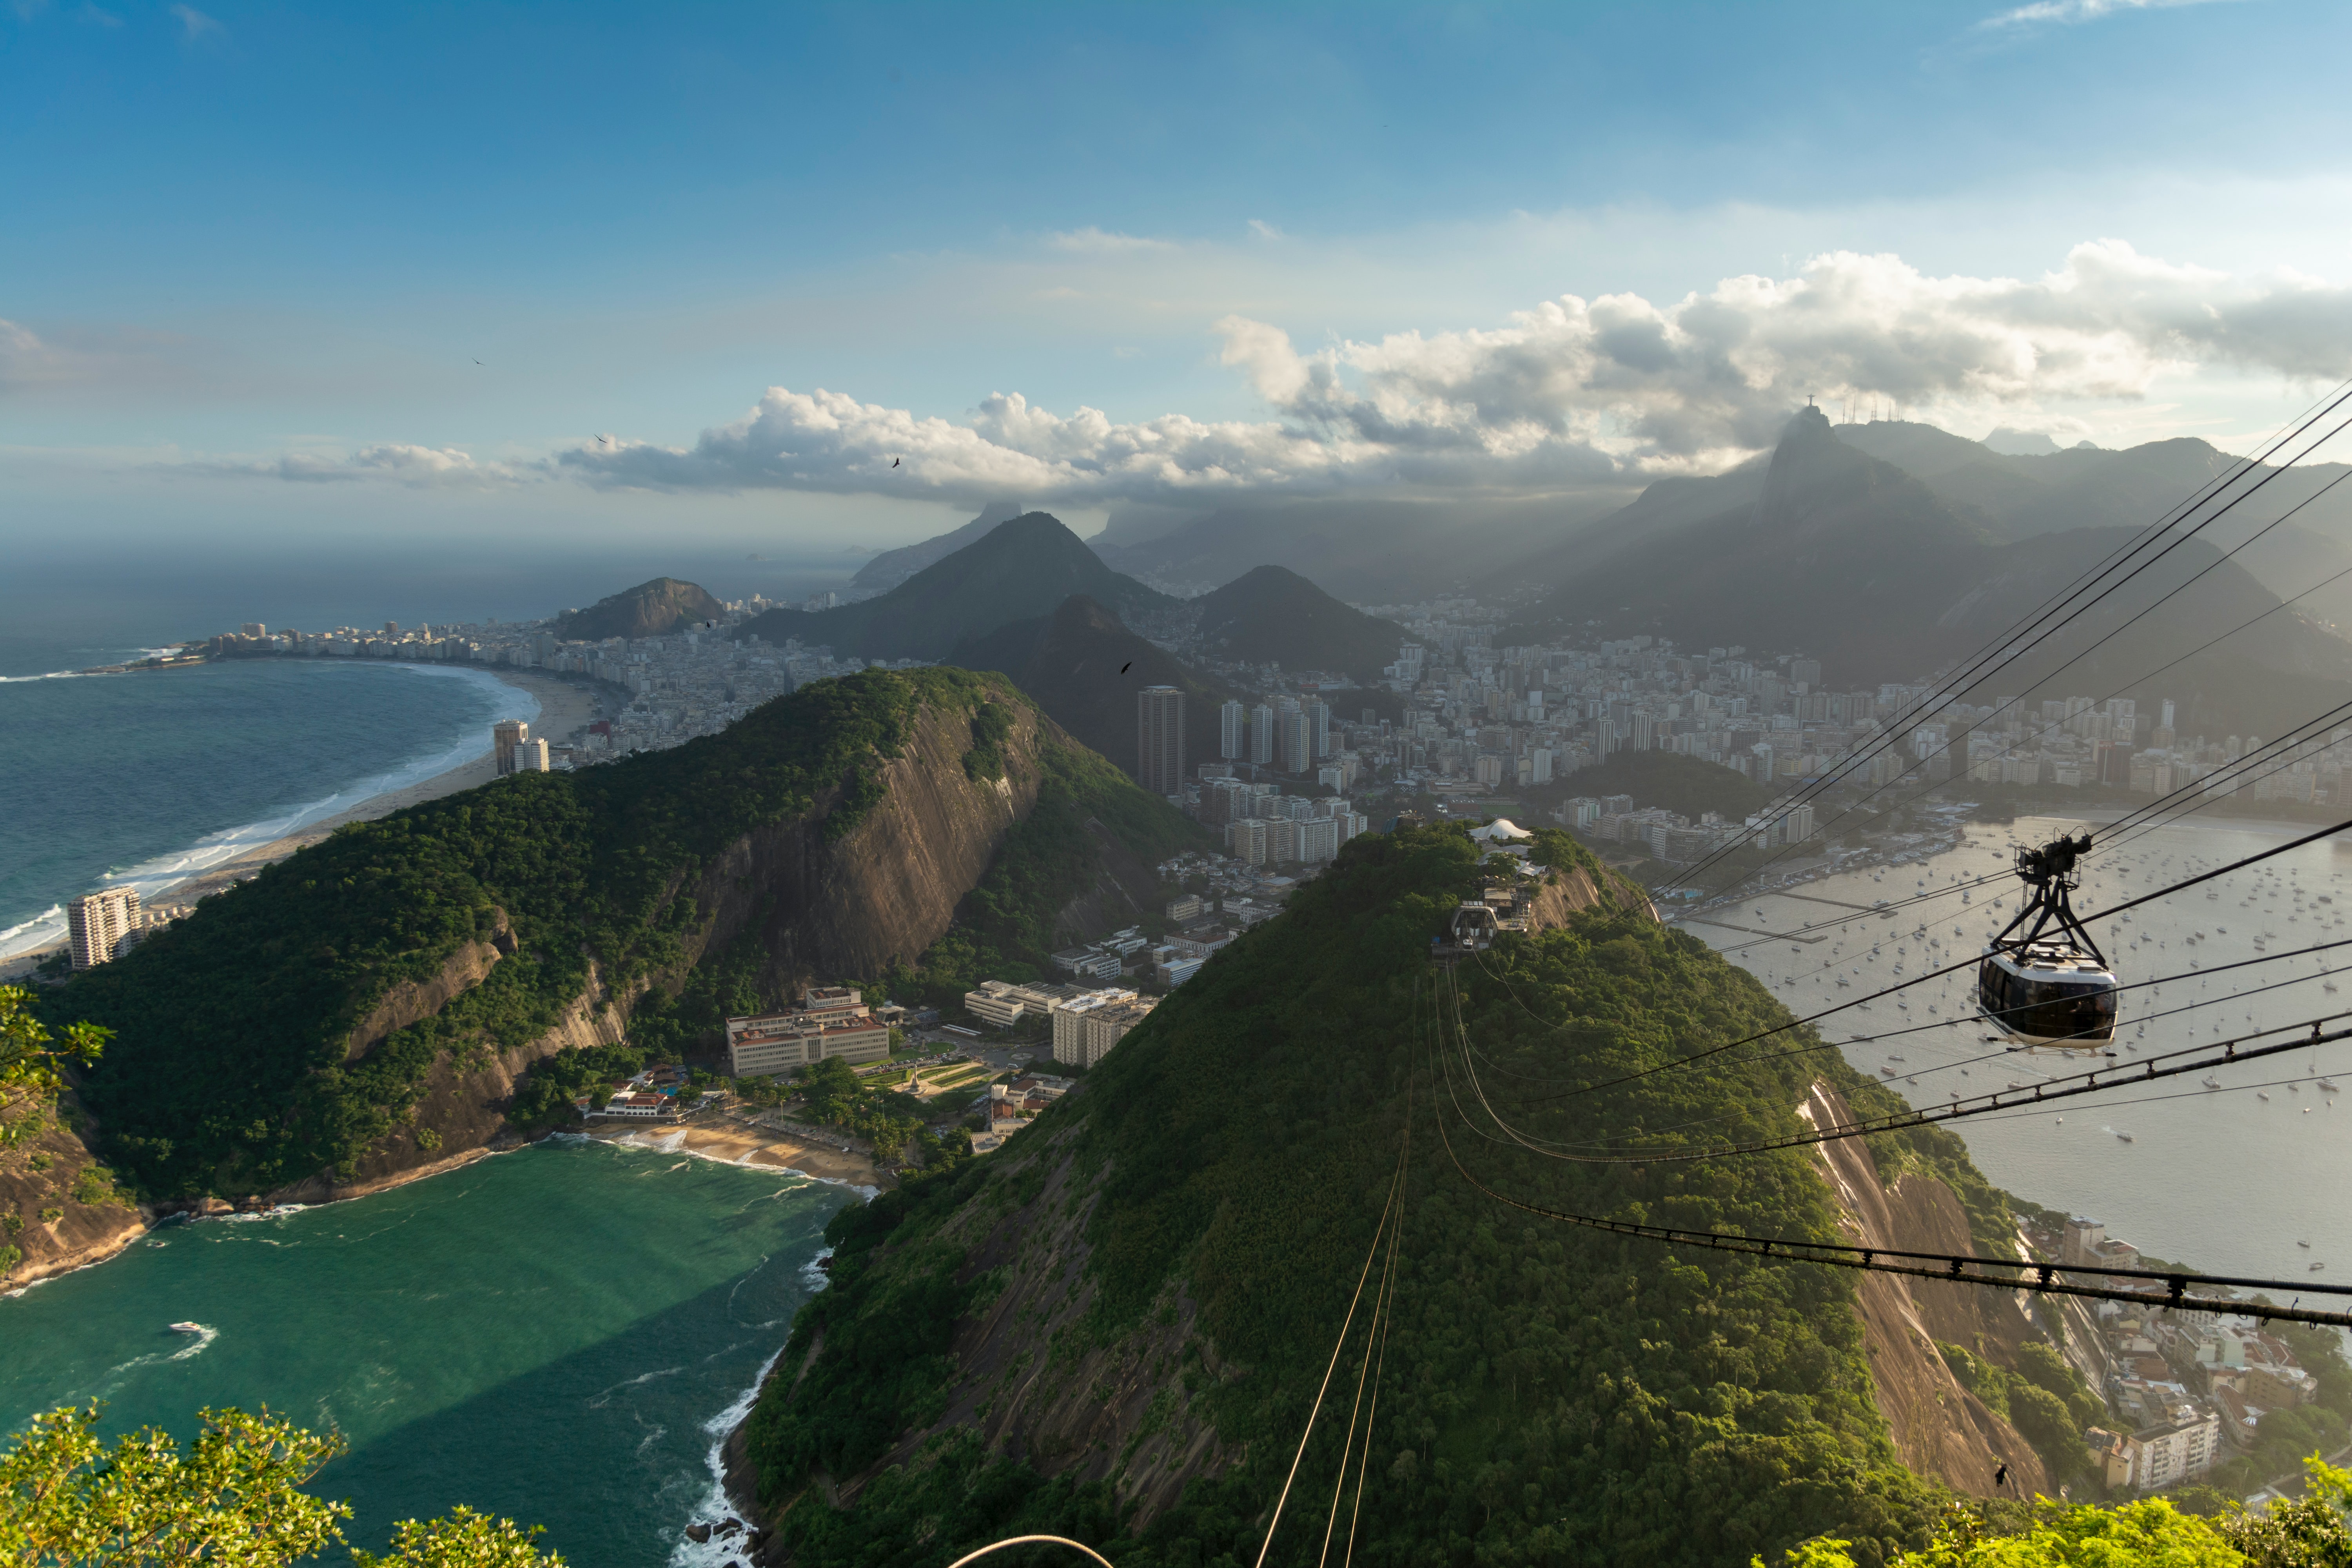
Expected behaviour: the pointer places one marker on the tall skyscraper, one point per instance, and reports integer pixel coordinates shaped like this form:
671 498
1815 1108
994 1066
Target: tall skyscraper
1159 739
505 736
531 757
95 923
1261 734
1318 714
1298 735
1232 731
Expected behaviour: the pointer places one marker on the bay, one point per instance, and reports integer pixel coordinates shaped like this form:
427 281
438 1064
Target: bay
558 1335
2223 1179
144 779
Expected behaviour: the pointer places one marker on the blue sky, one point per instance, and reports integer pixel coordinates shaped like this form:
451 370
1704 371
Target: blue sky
250 254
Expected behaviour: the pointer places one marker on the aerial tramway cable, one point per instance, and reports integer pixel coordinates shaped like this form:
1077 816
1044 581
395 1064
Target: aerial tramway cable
2111 910
2005 1052
2148 1070
2005 1274
1396 1197
2029 632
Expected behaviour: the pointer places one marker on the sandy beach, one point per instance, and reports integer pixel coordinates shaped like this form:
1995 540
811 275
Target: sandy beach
742 1143
566 709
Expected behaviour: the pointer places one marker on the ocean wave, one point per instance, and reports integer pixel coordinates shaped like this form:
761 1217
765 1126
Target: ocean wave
161 874
715 1506
127 655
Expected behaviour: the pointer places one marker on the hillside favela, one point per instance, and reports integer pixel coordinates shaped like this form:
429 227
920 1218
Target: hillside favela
890 786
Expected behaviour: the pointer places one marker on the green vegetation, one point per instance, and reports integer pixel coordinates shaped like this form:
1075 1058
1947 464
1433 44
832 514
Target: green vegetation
229 1072
1003 929
832 1095
2045 1399
32 1065
234 1498
1551 1393
2306 1532
1670 780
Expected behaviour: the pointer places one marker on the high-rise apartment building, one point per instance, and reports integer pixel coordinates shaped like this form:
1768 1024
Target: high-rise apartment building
1261 734
505 736
97 922
1298 738
1232 731
1319 715
531 757
1159 739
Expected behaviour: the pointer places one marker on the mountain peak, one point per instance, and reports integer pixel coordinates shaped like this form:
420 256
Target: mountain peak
647 610
1809 453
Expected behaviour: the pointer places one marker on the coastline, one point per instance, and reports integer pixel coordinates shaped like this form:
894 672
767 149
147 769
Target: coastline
565 709
728 1143
733 1143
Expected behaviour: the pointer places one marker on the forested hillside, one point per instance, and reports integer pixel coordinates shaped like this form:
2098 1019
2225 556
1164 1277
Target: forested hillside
294 1023
1116 1326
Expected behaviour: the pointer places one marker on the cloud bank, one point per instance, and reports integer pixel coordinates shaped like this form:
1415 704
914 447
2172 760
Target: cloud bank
1570 393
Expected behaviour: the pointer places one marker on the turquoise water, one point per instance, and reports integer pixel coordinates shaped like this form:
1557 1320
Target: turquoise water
550 1335
145 779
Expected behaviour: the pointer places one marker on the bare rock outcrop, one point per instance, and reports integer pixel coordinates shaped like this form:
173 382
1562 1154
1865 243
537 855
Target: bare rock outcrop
412 1001
882 893
1938 1427
45 1175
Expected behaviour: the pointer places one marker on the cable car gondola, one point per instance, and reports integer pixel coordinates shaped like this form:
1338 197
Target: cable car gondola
2051 986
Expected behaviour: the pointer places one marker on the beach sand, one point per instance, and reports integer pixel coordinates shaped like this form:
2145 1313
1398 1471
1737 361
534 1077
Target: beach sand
566 709
742 1143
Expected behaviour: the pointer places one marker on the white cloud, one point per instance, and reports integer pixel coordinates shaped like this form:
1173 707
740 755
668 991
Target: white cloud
1093 241
1568 393
116 358
2045 13
194 23
418 468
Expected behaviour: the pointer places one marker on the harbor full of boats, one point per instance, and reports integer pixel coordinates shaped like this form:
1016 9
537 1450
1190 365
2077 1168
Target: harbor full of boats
2246 1169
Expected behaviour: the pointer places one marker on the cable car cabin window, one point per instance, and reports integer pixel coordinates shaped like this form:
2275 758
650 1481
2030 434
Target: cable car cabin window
2048 1009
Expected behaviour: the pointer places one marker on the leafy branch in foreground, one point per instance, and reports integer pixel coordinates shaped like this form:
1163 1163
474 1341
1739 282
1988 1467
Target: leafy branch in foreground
234 1498
31 1064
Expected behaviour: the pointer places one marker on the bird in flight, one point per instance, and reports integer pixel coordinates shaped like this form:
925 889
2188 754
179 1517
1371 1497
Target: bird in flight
606 440
894 462
1128 665
477 361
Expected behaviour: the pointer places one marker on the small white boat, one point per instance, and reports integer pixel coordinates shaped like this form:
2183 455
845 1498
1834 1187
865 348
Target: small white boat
185 1329
2305 1245
2125 1136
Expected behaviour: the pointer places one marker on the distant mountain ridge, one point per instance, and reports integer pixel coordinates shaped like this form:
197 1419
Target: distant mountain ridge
892 567
1860 562
648 610
1083 666
1271 614
1019 570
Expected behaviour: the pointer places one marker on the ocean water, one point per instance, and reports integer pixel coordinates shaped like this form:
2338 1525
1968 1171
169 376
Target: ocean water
144 779
560 1335
2228 1179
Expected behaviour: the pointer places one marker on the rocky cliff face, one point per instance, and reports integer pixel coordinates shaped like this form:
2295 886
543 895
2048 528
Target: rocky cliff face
54 1175
889 888
1938 1427
881 893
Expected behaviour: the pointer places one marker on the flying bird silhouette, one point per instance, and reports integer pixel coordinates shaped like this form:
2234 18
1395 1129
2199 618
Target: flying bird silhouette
1128 665
894 462
606 440
477 361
